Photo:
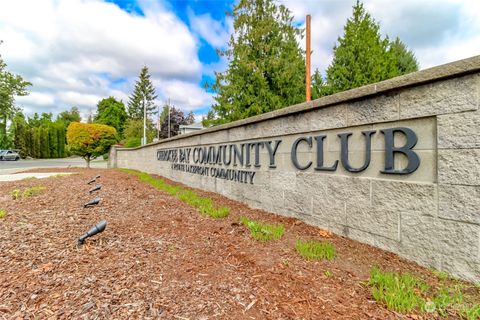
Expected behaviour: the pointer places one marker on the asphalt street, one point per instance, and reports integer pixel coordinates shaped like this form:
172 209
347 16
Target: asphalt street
9 167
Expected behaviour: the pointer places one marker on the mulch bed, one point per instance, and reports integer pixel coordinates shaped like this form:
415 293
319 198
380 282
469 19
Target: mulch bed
159 258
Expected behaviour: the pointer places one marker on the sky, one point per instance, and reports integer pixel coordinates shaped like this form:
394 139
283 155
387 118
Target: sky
77 52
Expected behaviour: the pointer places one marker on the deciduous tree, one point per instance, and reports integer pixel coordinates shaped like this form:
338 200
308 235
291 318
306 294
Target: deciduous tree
90 140
177 118
68 116
111 112
133 132
11 85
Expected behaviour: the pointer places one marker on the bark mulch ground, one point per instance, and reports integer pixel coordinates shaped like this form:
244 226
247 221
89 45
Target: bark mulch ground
159 258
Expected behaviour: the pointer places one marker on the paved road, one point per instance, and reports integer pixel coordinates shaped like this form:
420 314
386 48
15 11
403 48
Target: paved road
8 167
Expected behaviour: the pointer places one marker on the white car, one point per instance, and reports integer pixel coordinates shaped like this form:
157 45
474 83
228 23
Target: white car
9 155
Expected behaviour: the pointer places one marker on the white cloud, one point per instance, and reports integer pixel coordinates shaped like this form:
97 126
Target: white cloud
74 50
215 32
438 31
183 94
37 99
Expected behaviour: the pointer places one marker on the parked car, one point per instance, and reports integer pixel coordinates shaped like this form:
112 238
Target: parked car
9 155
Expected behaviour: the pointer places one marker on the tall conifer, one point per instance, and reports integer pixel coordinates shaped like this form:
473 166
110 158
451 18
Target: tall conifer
266 68
143 96
362 56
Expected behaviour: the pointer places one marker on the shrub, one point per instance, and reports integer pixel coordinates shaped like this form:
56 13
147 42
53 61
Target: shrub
90 140
133 142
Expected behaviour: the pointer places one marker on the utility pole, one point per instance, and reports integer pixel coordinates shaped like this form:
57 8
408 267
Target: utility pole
169 117
307 58
158 123
144 141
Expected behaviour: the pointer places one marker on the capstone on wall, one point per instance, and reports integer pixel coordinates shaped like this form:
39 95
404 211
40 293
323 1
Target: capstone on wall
394 164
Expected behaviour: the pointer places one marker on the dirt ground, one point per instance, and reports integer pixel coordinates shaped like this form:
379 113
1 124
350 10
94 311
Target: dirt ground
159 258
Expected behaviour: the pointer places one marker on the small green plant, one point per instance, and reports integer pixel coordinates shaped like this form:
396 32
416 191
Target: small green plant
203 204
16 194
399 292
440 274
315 250
32 191
59 175
470 313
328 274
445 297
172 247
26 193
404 293
263 231
3 213
29 178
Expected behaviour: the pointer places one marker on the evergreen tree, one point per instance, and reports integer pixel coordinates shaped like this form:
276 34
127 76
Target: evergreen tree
164 113
29 142
53 140
190 119
46 119
37 145
34 121
111 112
266 68
44 143
362 56
62 140
143 96
404 58
20 137
39 137
317 85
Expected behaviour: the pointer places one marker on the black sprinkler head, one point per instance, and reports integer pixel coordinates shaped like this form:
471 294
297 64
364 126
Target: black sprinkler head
93 179
92 202
99 227
96 188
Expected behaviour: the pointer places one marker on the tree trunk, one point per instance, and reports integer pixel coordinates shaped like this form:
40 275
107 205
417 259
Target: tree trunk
87 159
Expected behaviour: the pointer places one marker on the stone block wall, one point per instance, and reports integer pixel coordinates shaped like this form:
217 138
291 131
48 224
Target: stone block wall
431 216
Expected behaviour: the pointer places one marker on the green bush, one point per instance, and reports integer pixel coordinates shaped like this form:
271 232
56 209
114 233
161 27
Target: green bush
133 142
